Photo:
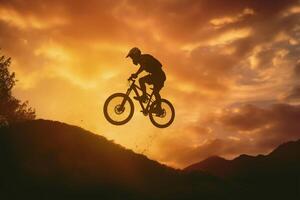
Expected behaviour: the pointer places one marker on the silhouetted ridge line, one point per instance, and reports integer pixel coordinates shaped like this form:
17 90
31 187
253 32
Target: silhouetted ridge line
273 176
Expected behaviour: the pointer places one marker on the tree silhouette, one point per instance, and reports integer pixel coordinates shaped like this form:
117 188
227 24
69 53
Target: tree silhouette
11 109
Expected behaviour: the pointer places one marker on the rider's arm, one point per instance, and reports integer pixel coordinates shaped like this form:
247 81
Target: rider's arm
139 71
135 75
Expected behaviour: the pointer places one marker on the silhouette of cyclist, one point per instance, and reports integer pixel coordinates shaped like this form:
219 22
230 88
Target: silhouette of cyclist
156 75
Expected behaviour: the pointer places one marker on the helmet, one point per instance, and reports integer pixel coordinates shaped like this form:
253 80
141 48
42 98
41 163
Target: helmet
134 52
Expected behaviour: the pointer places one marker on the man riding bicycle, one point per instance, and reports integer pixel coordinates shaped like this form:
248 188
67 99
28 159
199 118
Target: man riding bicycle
156 75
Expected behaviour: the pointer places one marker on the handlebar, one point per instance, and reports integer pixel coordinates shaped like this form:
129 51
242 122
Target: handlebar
131 79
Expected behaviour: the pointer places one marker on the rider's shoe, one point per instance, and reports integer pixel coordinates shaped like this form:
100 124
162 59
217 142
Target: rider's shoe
142 98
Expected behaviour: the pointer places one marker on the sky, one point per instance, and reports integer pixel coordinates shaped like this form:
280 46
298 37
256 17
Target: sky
232 69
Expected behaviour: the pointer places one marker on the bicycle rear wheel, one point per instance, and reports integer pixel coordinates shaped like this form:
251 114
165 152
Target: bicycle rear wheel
168 116
118 109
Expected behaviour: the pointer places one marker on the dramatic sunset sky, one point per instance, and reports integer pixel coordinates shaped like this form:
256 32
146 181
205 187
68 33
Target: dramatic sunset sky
233 69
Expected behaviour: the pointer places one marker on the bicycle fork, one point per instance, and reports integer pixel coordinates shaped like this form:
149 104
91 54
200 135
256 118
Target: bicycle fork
124 100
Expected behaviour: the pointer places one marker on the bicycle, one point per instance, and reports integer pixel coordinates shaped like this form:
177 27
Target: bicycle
120 105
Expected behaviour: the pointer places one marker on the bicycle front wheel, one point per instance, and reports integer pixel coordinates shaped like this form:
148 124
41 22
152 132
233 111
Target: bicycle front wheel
164 120
118 109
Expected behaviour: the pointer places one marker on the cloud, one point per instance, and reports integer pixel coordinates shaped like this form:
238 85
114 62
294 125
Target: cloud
294 94
297 70
14 18
266 126
171 23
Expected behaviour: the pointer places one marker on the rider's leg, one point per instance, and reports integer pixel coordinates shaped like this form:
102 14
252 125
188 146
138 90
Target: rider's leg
158 98
158 109
158 85
143 81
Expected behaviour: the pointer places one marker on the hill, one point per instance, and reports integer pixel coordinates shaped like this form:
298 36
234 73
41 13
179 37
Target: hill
276 175
51 160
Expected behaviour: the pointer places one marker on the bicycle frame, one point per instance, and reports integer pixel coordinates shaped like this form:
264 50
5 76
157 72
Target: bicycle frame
135 88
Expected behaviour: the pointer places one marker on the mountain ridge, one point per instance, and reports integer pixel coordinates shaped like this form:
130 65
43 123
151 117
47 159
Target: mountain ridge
272 176
281 150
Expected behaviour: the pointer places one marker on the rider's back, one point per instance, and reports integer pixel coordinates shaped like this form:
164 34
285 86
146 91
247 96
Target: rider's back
150 64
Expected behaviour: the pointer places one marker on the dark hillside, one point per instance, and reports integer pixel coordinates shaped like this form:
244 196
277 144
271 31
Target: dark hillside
46 159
